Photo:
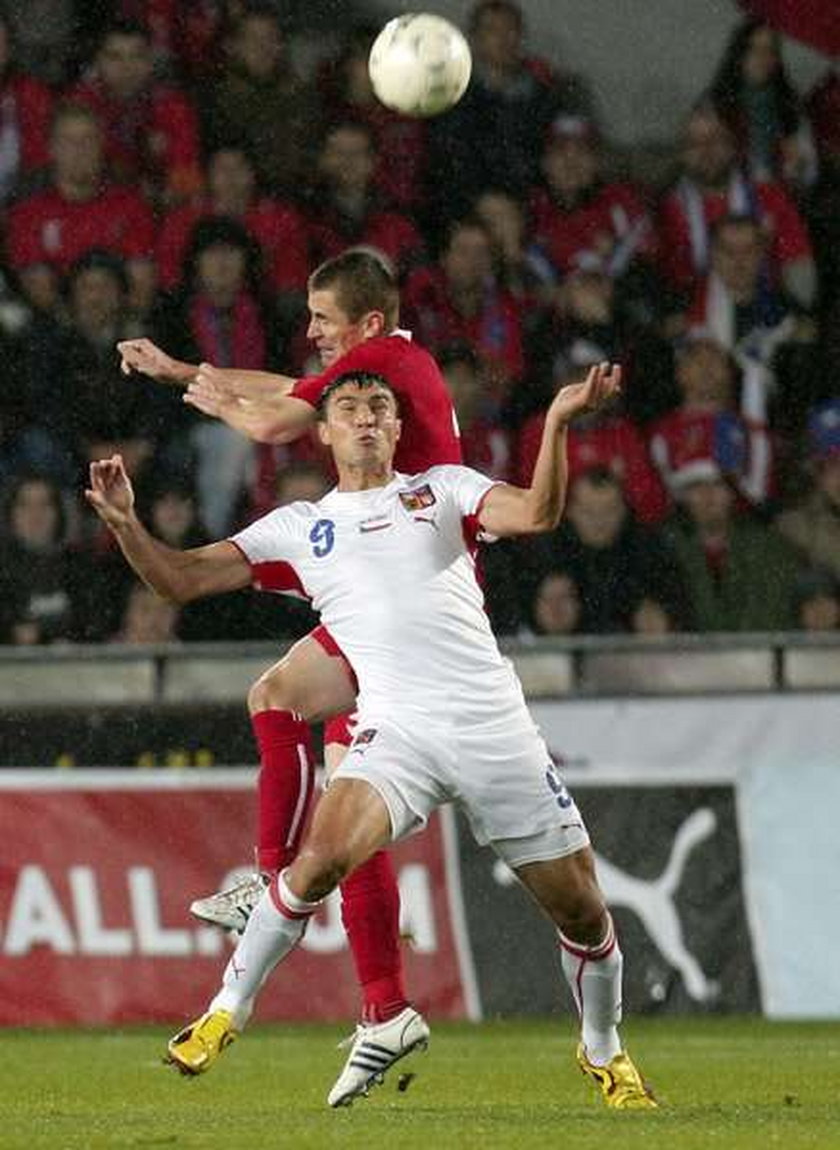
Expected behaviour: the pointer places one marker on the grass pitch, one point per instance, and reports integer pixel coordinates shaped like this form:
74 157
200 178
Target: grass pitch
722 1083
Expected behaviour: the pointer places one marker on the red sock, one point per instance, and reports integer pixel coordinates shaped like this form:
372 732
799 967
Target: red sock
370 911
284 788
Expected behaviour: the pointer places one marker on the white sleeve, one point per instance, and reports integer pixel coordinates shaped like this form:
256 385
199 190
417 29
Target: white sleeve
465 487
268 538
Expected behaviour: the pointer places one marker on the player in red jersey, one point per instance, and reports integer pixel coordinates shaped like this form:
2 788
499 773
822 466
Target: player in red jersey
354 306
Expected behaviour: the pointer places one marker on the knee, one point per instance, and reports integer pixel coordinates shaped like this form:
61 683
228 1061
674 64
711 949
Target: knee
318 870
271 692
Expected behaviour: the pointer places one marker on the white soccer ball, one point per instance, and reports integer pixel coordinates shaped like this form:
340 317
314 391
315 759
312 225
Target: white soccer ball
420 64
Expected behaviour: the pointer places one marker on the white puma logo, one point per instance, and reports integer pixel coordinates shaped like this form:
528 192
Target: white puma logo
653 900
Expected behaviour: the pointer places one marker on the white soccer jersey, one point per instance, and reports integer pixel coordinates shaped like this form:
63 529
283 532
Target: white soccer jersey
391 572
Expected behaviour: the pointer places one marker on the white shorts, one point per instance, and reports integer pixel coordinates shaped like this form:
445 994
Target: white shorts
498 771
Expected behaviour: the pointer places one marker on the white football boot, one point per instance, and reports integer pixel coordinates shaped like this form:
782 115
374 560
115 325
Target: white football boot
232 908
374 1050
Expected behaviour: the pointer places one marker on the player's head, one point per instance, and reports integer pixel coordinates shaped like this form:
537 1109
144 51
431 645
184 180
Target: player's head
359 421
352 298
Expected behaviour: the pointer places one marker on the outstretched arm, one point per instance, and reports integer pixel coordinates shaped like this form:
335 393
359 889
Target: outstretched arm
147 358
177 575
260 408
509 510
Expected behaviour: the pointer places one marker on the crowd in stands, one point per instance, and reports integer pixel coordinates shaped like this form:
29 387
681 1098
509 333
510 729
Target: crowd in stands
174 171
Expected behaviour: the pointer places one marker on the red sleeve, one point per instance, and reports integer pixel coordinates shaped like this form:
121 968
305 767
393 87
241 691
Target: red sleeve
366 357
643 486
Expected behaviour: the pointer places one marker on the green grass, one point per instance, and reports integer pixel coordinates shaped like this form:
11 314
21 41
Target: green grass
723 1083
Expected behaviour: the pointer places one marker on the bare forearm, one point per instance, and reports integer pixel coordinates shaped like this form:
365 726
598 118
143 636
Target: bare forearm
260 386
163 568
547 493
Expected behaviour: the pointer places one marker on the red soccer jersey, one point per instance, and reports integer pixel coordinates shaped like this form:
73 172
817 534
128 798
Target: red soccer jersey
614 215
48 229
615 444
429 428
278 228
25 109
776 212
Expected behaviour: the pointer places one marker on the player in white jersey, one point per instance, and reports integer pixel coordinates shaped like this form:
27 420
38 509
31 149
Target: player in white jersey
386 560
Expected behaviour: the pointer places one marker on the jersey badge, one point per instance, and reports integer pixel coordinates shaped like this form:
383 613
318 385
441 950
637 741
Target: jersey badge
417 499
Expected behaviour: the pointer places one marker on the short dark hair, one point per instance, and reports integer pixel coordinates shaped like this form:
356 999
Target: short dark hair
503 7
363 281
361 379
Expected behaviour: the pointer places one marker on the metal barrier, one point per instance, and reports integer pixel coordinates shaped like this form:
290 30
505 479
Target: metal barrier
579 666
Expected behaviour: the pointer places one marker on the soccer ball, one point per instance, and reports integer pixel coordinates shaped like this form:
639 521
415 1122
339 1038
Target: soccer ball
419 64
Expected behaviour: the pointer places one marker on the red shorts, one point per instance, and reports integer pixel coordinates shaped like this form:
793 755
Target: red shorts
337 729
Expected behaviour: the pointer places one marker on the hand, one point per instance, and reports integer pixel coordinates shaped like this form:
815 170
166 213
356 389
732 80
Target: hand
602 384
209 391
146 357
110 493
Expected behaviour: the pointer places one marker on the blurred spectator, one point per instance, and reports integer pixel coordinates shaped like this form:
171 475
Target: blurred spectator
522 267
46 35
615 563
401 142
150 129
278 227
221 316
712 185
185 37
755 321
602 439
26 441
813 525
739 573
25 113
486 445
707 424
346 210
756 99
147 618
575 212
556 607
285 481
258 102
460 300
50 230
46 588
816 601
494 135
74 378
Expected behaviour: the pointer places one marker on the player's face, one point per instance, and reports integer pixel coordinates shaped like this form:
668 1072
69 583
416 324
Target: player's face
361 426
330 328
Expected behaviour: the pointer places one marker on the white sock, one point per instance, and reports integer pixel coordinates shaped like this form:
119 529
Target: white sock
594 977
275 927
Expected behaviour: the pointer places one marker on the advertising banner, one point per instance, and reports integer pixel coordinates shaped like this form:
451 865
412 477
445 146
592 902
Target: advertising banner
96 877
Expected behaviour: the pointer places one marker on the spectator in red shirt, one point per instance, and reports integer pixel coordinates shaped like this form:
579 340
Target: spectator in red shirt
151 129
575 211
80 210
708 425
401 141
278 227
185 37
486 445
608 440
712 185
460 299
25 112
347 211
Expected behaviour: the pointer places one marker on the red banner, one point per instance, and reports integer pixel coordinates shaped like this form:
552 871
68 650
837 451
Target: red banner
96 877
814 22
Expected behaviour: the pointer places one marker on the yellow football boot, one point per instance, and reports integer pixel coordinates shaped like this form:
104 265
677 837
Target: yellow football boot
194 1049
619 1082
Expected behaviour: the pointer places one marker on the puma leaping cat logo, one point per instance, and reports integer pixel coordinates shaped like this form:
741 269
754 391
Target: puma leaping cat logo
653 900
